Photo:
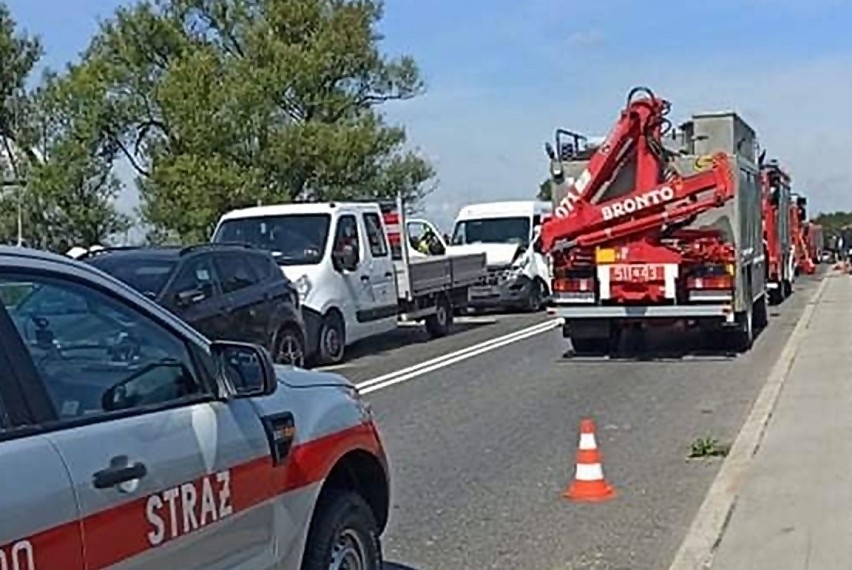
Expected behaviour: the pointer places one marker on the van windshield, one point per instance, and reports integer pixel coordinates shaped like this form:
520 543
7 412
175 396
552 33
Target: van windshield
493 230
293 239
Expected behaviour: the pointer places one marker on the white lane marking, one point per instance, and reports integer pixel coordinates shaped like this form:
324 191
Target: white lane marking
476 320
705 533
406 374
333 367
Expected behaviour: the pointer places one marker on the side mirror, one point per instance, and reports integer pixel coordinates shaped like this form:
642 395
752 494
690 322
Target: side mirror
189 297
346 258
774 197
247 367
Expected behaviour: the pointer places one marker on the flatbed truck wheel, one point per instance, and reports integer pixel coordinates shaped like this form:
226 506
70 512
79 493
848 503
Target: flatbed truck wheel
439 324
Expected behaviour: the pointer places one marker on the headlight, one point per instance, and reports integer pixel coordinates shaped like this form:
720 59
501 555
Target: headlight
363 406
303 286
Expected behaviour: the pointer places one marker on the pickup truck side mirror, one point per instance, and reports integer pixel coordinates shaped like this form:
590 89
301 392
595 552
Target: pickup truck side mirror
247 367
346 258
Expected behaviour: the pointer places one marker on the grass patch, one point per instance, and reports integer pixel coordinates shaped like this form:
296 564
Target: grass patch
706 447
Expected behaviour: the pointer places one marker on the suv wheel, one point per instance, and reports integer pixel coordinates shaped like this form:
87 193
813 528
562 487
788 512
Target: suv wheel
289 348
332 339
343 534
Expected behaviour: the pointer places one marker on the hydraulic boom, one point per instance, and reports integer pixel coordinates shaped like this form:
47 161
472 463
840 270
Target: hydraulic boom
660 198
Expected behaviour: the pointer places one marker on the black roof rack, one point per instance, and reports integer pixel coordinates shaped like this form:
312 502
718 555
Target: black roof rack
92 253
214 245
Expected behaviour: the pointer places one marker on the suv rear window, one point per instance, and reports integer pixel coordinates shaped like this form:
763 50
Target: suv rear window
263 266
148 276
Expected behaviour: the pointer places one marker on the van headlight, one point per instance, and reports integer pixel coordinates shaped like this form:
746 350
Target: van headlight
303 287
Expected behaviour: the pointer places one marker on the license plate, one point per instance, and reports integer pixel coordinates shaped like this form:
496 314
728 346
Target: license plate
482 291
637 273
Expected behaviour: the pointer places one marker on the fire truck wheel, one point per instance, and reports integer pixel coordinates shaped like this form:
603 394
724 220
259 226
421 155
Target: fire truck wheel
590 346
761 313
343 534
742 336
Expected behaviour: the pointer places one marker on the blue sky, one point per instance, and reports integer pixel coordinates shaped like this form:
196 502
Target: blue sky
502 74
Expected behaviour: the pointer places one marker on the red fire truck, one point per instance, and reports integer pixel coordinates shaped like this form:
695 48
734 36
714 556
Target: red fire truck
644 234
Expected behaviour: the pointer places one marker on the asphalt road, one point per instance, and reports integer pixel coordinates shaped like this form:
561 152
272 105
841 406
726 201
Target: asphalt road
482 450
410 344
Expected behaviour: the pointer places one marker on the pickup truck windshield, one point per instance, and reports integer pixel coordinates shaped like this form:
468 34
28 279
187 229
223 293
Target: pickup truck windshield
294 239
493 230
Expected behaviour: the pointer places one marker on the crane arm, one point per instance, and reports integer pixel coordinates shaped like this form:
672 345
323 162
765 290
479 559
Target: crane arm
655 200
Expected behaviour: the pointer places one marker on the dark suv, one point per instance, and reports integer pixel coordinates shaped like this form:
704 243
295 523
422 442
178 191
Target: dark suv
226 292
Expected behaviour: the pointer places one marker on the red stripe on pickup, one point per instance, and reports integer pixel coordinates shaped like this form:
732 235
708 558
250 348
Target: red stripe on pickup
122 532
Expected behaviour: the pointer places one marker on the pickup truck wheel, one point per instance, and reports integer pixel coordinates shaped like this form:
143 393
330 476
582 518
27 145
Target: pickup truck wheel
332 339
289 348
343 535
439 324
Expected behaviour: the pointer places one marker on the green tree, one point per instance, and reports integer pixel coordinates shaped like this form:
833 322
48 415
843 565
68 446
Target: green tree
62 174
19 54
227 103
545 190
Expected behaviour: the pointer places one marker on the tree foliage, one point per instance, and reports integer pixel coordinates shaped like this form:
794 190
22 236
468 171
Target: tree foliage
545 190
61 177
220 104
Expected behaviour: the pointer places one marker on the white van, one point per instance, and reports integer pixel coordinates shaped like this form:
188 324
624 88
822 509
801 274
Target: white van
518 274
354 279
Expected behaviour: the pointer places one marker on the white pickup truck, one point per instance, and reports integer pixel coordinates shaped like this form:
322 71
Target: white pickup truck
354 277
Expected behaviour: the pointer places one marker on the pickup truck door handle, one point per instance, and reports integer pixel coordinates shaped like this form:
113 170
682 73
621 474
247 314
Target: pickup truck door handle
365 278
120 470
389 274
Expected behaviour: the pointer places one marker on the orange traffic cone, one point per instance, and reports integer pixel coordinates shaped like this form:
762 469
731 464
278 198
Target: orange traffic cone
589 483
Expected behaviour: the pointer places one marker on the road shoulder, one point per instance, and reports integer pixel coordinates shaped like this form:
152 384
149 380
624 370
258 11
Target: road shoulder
721 515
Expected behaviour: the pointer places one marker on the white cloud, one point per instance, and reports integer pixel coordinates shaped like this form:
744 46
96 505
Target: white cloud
489 147
586 38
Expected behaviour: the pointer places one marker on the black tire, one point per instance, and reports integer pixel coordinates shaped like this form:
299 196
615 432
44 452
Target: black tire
761 313
441 322
590 346
535 299
289 348
332 340
776 296
741 337
343 525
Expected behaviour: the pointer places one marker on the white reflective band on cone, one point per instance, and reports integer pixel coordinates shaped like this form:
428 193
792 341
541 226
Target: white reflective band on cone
591 472
587 441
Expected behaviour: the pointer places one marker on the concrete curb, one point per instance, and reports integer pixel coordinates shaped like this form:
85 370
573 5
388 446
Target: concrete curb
697 549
